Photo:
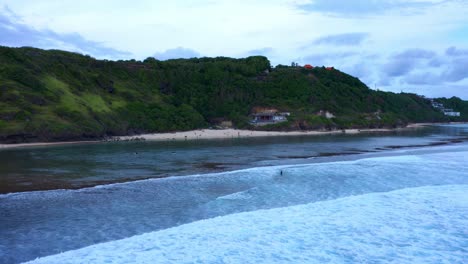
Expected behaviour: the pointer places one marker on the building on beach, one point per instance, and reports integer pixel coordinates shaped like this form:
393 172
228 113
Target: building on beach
265 118
450 112
441 107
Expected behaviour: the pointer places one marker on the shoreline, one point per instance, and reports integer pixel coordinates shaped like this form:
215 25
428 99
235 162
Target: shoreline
240 133
206 134
43 144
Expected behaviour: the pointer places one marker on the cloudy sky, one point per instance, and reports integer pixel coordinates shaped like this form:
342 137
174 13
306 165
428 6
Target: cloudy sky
416 46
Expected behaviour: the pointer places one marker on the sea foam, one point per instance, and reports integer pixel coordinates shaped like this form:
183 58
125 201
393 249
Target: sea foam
40 224
414 225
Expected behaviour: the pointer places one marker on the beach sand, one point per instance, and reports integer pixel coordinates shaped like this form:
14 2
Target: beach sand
237 133
215 134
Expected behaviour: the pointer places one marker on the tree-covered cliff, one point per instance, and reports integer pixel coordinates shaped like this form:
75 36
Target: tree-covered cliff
48 95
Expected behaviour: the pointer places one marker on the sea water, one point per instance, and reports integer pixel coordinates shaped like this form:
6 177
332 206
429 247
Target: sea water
78 166
368 209
411 225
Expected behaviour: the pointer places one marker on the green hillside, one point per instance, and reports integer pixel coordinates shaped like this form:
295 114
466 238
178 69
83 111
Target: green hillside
48 95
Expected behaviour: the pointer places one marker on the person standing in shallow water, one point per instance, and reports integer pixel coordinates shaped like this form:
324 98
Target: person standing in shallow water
281 172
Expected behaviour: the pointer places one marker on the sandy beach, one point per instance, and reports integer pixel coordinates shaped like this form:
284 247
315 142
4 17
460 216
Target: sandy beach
213 134
238 133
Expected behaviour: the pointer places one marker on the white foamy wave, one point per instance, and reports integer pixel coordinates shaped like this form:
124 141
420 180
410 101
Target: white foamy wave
453 154
238 195
415 225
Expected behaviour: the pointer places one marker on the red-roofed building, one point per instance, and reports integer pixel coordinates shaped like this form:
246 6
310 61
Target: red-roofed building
308 66
330 68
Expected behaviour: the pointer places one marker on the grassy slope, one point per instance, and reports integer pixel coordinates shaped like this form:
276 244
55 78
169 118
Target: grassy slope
57 95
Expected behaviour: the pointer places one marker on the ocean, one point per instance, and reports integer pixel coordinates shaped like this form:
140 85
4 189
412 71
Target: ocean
393 197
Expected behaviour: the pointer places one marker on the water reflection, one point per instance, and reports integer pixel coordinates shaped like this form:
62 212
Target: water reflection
77 166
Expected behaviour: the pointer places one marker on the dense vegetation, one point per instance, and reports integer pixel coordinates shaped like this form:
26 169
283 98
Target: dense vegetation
57 95
456 104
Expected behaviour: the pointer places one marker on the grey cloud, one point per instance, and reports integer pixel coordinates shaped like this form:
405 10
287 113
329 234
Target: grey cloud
416 54
449 70
364 7
347 39
177 53
457 71
372 56
398 67
403 63
454 52
14 33
436 62
423 71
263 51
425 78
